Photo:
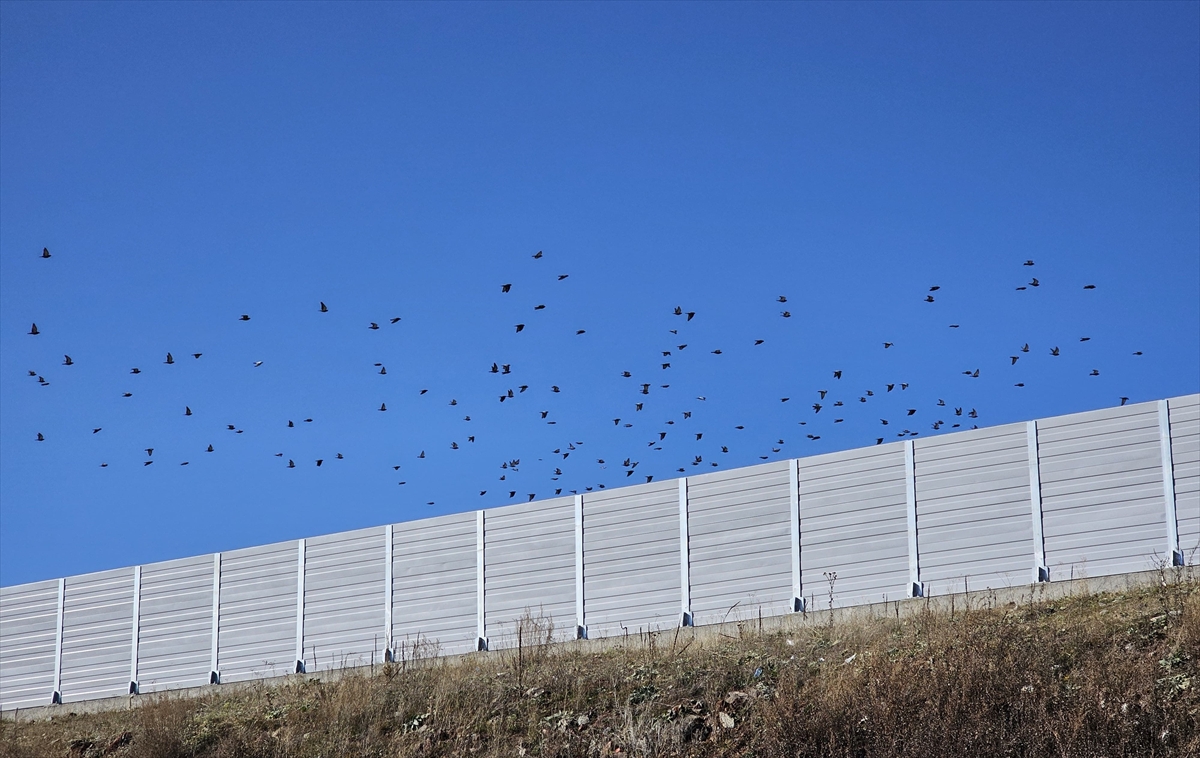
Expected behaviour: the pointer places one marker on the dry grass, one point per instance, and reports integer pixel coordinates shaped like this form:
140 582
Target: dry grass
1102 675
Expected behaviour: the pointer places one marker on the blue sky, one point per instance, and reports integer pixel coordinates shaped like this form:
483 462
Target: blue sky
189 163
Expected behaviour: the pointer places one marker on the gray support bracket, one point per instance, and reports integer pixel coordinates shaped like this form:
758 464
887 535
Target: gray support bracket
794 505
136 623
214 674
915 588
580 617
1168 473
387 592
56 693
1041 572
299 606
685 579
481 641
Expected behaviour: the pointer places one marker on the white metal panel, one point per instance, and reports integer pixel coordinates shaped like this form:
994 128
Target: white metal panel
175 624
854 524
97 635
973 509
1102 491
257 633
631 559
28 630
434 585
1185 459
344 599
529 571
740 542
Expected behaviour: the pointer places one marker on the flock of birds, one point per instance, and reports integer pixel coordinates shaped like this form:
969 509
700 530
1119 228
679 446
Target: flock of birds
827 405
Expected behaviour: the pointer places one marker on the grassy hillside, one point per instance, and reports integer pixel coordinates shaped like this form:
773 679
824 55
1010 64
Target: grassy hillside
1112 674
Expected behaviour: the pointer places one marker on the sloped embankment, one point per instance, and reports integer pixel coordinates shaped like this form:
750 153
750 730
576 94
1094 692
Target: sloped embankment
1112 674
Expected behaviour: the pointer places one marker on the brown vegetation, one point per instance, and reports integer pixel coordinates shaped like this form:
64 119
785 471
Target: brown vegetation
1112 674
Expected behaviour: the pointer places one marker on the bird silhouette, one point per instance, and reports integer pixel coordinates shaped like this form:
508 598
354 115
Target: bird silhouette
45 252
40 438
324 309
520 327
373 326
538 254
170 359
34 330
244 317
67 361
187 411
505 287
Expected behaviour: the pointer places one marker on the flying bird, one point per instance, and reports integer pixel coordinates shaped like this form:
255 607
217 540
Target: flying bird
520 327
67 361
187 411
382 407
170 359
324 309
373 325
394 319
40 438
34 330
562 276
1089 286
244 317
197 355
538 254
505 287
45 252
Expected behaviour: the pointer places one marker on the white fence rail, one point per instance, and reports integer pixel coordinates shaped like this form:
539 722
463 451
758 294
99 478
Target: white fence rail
1089 494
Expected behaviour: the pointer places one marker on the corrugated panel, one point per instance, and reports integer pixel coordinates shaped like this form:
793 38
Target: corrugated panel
974 511
344 599
631 559
529 568
28 627
434 585
1102 491
854 523
1185 460
740 543
257 634
97 635
175 625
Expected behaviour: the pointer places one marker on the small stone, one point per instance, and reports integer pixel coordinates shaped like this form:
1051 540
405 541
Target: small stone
726 720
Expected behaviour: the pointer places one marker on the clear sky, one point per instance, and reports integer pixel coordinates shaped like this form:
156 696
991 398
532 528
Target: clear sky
189 163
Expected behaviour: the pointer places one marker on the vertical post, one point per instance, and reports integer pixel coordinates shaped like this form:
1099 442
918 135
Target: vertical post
580 620
56 694
387 592
300 607
137 621
214 674
1174 554
481 642
910 498
1041 572
794 505
685 580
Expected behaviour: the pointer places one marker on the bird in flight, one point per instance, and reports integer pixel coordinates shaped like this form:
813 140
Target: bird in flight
170 359
538 254
244 317
45 252
324 308
505 287
520 327
34 330
67 361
